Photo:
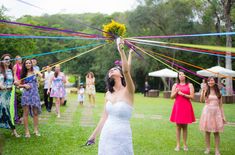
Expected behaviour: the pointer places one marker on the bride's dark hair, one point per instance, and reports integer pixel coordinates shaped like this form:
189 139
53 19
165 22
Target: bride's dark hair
110 81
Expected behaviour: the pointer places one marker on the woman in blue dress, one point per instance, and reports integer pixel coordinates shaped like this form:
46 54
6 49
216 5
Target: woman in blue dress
30 100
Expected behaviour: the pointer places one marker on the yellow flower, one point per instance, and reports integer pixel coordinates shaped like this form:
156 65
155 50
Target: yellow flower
114 29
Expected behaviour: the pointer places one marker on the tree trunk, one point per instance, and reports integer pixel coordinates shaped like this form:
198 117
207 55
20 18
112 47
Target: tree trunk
227 5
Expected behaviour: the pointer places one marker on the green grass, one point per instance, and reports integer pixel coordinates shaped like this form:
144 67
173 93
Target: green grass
150 137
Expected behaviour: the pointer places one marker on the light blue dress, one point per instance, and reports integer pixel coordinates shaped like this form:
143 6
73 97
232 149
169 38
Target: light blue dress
116 134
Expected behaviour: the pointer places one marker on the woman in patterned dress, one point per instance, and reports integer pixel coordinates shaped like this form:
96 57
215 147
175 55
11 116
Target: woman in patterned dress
6 82
57 90
30 100
212 118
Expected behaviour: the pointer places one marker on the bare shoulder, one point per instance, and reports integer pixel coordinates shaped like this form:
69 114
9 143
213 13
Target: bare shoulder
190 85
174 85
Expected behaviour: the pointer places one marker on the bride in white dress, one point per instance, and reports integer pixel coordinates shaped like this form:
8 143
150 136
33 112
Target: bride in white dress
114 125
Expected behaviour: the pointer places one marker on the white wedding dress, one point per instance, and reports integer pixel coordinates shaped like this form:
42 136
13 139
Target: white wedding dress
116 135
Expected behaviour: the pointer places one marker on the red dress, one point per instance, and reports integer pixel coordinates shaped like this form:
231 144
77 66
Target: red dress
182 112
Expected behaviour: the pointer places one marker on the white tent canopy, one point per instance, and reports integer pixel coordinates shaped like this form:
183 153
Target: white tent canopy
216 70
164 73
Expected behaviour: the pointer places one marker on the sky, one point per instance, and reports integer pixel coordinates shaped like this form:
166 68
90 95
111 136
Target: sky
17 8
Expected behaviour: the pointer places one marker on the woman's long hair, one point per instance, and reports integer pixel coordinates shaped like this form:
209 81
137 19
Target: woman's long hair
91 74
2 67
216 88
24 70
56 73
178 79
110 81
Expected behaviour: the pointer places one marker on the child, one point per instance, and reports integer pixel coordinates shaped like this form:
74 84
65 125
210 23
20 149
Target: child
212 118
81 91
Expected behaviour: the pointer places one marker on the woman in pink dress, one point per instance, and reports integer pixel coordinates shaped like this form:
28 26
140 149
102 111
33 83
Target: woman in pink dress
182 112
212 118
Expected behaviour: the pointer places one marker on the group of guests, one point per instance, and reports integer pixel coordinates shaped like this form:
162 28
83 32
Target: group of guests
25 75
212 119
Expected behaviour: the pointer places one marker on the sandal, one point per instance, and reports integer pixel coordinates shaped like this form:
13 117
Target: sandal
15 134
185 148
37 134
207 151
177 148
27 135
217 153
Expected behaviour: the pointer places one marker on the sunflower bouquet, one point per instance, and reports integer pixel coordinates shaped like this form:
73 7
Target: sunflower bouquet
113 30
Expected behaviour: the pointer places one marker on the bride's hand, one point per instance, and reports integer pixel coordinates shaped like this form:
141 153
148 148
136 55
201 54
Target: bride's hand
120 43
90 141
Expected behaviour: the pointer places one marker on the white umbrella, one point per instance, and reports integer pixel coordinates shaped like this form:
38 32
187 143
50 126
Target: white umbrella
215 71
164 73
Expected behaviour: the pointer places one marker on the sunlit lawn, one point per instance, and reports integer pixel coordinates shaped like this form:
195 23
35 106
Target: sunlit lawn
151 136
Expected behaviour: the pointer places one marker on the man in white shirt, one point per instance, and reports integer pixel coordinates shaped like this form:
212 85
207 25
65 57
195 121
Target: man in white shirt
47 76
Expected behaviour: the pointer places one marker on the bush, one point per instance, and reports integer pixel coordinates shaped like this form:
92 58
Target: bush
72 79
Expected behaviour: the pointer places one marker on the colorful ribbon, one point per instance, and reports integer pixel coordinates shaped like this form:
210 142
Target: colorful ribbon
216 48
179 48
184 35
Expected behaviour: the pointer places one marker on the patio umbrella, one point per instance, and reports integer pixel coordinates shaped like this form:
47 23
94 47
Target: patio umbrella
215 71
164 73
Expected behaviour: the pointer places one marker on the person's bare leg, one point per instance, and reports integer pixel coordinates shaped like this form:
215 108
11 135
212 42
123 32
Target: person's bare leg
35 120
26 125
62 101
217 142
178 131
207 140
185 136
90 102
93 99
58 107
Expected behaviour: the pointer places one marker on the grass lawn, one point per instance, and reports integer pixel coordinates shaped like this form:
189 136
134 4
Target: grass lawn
153 134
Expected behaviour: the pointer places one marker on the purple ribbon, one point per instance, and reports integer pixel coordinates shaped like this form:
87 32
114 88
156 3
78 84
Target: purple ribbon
50 29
